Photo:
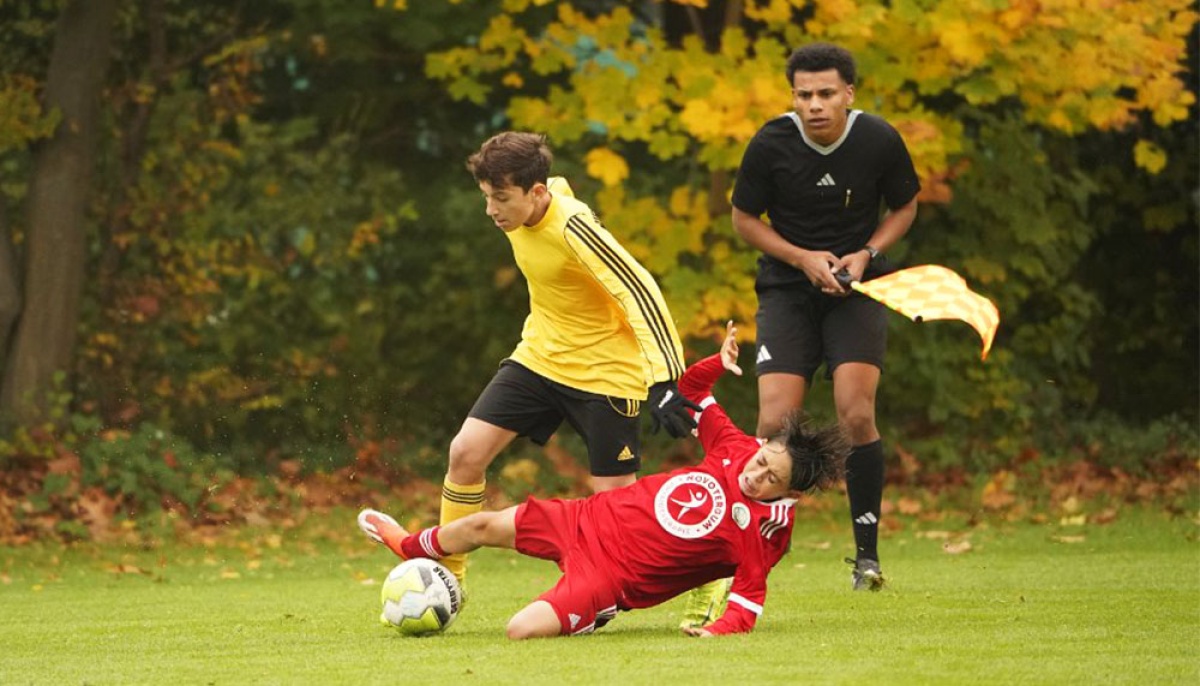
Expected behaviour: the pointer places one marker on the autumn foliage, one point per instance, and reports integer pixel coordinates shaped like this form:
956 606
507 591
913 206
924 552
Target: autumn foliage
289 275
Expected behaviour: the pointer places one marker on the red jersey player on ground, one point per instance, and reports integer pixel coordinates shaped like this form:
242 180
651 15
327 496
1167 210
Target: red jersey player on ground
645 543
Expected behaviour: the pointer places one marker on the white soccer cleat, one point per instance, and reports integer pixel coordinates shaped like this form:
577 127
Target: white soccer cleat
378 525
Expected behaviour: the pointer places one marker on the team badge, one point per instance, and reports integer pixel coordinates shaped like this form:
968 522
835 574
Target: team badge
741 515
690 505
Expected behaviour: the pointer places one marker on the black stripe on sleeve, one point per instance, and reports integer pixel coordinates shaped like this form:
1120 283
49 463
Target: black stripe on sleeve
653 315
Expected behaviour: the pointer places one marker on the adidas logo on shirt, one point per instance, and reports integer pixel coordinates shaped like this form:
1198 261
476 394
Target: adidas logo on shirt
626 454
764 355
827 180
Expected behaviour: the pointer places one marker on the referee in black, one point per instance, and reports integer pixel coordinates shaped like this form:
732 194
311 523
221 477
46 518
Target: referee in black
823 191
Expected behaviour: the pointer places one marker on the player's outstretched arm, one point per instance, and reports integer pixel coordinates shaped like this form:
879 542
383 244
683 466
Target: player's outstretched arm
698 380
729 349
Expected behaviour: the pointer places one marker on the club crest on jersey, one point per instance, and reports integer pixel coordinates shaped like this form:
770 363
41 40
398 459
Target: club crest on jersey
741 515
690 505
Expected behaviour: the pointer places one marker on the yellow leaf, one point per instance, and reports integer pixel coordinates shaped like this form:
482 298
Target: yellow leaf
679 204
606 165
1149 156
700 119
962 43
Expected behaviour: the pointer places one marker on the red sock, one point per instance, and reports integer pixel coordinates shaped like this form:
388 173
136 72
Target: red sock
423 544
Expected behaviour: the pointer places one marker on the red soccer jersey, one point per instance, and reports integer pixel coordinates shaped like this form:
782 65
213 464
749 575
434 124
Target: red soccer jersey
669 533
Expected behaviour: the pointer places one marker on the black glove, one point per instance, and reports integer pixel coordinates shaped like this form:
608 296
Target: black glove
669 409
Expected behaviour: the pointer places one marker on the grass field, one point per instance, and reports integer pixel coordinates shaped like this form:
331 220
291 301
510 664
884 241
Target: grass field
1019 603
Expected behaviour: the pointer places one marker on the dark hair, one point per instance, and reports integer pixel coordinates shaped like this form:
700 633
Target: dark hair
512 158
822 57
818 453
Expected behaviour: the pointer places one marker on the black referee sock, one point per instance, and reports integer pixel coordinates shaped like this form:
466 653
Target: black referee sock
864 485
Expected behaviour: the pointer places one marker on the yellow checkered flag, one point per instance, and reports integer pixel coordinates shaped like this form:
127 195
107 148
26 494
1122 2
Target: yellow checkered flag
934 292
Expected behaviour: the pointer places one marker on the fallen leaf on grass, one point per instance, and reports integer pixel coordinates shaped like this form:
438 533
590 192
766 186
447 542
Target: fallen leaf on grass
1069 539
938 535
823 545
956 548
127 569
908 506
1076 520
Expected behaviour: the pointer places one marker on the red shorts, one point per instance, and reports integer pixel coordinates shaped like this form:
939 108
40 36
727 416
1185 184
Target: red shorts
584 598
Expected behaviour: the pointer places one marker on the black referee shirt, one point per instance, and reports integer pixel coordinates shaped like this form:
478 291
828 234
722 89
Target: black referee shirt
818 197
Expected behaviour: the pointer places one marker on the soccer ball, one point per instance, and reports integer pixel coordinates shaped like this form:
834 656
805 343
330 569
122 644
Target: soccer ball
420 597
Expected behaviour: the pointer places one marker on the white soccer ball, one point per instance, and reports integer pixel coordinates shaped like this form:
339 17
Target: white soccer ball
420 597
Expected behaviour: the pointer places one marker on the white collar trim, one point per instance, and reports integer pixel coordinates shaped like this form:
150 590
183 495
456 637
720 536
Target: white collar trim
823 149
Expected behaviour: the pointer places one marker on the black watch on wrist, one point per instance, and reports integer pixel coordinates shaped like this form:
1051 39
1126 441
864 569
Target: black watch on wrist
872 252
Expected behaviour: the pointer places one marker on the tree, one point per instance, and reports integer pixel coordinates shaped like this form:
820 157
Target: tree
660 117
55 249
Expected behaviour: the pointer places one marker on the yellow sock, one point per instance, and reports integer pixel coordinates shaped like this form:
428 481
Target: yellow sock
458 501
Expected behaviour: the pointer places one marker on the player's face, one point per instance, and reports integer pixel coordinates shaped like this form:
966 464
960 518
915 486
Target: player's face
766 475
821 98
511 207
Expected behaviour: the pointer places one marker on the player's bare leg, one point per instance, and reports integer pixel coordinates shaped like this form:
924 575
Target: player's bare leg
537 620
482 529
471 452
854 388
778 396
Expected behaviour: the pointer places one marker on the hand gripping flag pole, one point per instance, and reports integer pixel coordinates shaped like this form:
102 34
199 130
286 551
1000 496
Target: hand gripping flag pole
934 292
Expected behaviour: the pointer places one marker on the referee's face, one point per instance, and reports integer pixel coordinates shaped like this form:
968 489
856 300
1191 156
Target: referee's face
822 99
512 207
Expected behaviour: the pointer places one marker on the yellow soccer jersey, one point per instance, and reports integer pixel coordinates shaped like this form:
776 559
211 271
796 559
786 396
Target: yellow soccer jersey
597 320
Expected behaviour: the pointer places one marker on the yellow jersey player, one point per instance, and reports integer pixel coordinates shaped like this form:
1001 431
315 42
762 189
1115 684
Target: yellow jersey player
598 341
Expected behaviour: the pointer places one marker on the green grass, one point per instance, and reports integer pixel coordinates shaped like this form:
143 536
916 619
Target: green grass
1028 603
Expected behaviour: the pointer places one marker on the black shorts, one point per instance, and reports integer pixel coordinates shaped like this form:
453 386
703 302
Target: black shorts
528 403
799 328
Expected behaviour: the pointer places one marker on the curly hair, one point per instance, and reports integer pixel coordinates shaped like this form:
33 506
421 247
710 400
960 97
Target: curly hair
512 158
822 57
818 453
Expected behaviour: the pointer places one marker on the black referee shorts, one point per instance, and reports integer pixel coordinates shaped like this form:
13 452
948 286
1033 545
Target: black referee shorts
799 328
528 403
